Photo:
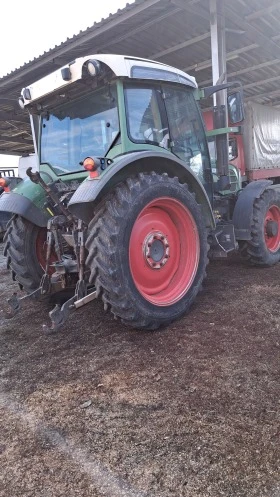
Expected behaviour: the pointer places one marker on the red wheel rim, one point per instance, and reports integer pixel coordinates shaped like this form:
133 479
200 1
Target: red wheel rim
271 225
164 251
41 250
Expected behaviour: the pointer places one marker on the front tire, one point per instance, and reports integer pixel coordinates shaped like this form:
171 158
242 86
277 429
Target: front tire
263 249
147 250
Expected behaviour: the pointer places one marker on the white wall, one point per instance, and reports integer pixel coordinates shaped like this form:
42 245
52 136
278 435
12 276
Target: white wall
9 161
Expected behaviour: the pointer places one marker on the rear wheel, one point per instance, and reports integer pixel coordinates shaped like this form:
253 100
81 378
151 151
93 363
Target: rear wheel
25 251
147 250
263 249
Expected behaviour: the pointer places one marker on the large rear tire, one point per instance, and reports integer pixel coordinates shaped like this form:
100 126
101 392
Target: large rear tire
147 250
25 248
263 249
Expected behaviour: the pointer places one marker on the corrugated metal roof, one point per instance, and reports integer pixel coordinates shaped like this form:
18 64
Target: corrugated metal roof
176 32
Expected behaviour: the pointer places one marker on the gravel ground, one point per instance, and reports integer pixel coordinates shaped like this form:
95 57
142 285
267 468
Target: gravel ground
100 410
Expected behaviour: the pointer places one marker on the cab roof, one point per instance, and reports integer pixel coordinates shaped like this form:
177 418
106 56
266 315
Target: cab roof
120 65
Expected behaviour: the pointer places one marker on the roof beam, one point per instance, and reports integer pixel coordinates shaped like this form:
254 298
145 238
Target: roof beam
252 33
267 94
247 48
261 82
12 139
274 103
192 8
201 65
260 12
8 101
5 151
266 44
6 116
243 71
140 28
184 44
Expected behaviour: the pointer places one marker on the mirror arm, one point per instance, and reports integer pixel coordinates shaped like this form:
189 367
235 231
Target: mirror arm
210 90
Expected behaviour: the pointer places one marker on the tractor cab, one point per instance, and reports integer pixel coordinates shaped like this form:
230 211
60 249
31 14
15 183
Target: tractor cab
106 106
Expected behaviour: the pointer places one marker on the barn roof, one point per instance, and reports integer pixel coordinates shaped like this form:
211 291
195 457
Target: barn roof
175 32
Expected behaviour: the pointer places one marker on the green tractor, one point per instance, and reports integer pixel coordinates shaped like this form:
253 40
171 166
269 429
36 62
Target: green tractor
125 205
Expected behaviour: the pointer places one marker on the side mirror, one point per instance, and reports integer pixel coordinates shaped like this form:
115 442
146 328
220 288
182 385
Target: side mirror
235 107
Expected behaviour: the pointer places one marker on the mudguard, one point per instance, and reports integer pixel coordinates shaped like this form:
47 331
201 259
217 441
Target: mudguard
18 204
243 210
28 200
91 191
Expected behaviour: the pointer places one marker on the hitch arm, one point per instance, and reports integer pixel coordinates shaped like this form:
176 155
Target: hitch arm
14 302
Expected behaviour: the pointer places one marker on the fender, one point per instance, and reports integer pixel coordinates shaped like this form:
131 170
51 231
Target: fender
18 204
90 192
28 200
243 210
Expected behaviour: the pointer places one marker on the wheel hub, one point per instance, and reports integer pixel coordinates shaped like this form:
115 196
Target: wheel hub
271 228
156 250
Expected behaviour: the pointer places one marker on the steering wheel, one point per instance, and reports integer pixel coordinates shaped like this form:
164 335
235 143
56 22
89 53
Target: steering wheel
179 146
152 133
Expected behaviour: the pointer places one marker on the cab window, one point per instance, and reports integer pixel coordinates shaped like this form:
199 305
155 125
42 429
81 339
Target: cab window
146 118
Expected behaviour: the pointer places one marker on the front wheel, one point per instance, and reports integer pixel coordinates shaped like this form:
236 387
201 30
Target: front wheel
147 250
263 248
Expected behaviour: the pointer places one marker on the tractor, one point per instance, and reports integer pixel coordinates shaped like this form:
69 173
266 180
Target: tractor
127 203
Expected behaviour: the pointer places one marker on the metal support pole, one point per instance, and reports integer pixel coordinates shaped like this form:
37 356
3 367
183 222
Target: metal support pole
219 75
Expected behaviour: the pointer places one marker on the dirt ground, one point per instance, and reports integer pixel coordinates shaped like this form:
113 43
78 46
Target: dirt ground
101 410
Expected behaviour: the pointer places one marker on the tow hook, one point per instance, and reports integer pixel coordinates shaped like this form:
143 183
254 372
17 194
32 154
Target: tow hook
60 314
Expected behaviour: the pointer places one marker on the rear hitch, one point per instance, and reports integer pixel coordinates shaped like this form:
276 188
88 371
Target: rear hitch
222 241
60 314
64 268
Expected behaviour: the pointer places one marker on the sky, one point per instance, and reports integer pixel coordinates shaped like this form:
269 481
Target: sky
28 29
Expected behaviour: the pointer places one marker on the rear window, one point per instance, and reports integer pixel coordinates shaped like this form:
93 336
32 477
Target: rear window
141 72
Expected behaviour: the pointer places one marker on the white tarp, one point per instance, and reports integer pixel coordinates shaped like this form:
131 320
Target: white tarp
261 137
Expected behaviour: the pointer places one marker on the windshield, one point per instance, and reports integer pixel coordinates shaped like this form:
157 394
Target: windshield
75 130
